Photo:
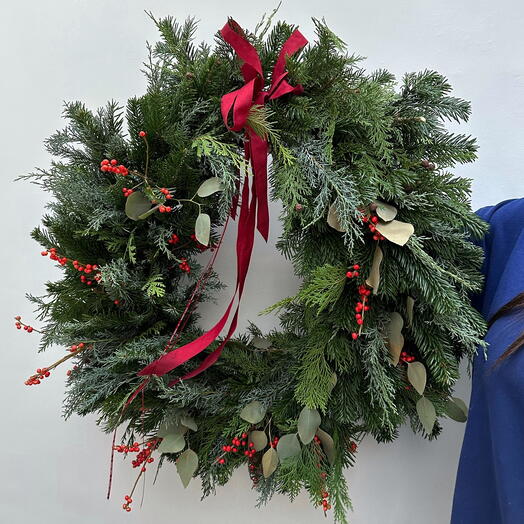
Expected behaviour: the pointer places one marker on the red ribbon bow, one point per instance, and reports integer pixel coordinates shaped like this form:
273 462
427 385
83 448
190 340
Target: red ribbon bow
254 211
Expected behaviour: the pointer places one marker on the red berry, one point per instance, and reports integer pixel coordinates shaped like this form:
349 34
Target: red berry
142 134
354 336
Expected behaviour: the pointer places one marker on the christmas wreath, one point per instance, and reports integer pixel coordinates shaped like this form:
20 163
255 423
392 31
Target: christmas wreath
377 227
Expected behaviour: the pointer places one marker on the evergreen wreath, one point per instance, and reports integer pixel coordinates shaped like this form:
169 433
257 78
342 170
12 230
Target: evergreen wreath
376 225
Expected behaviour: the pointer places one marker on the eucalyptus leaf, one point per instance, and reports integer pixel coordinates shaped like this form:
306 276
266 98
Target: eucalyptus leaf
259 439
253 412
417 376
333 381
203 228
426 414
171 427
410 306
395 337
373 280
269 462
137 204
308 422
328 445
386 212
186 466
188 422
210 186
288 446
395 231
456 409
172 443
333 220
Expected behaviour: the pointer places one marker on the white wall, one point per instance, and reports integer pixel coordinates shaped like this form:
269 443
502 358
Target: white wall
57 50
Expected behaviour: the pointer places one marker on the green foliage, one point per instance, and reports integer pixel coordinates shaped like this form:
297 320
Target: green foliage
351 138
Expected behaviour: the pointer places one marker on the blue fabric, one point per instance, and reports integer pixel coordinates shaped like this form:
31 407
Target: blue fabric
490 479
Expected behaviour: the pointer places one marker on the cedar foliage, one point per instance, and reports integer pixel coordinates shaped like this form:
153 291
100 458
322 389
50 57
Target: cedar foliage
353 137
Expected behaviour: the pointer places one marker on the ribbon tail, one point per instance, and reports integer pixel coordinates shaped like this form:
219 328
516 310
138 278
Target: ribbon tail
259 150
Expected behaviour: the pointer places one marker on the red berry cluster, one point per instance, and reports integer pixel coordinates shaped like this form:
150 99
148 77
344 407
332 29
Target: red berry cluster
19 324
111 167
143 455
360 308
75 347
174 239
355 273
274 442
41 373
406 357
184 266
83 268
353 447
372 226
235 447
324 501
323 475
69 371
165 209
127 503
166 192
54 256
87 269
127 191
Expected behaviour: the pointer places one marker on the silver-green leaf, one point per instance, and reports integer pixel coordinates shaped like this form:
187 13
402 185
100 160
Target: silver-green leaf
417 376
386 212
188 422
210 186
137 204
172 443
328 445
288 446
308 423
456 409
269 462
203 228
259 440
253 412
186 466
426 413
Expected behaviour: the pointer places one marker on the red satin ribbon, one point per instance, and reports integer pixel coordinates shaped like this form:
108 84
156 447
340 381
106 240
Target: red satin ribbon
254 210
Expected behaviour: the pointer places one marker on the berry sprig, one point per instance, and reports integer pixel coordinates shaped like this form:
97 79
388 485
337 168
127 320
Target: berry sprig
324 494
362 305
184 266
143 457
372 222
42 373
110 166
355 273
79 266
127 191
173 239
237 443
361 308
19 325
406 357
